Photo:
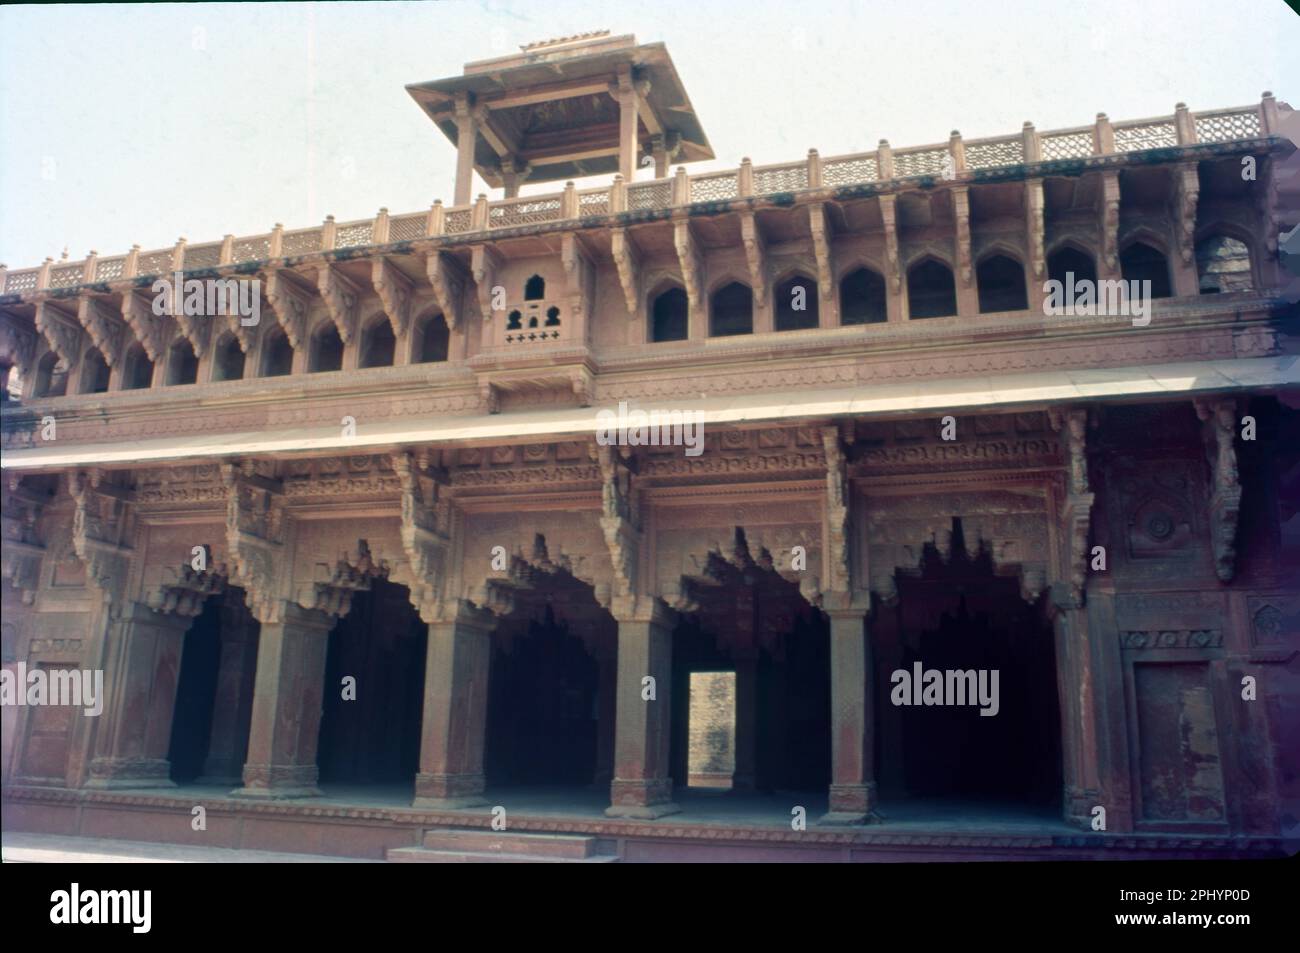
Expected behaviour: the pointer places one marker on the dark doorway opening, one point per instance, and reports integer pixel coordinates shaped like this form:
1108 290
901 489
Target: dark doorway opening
214 693
957 615
373 737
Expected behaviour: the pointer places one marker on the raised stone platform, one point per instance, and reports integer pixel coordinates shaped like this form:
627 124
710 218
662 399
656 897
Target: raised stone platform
371 823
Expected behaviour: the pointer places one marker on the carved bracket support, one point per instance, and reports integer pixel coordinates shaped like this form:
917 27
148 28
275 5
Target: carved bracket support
484 266
1187 187
819 224
961 218
255 525
341 297
751 236
1108 221
621 523
628 262
691 262
448 283
889 215
103 522
106 328
395 291
837 578
579 275
17 345
426 515
62 332
291 304
1034 226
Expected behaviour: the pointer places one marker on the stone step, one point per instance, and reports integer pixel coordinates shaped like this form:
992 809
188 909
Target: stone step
426 855
493 842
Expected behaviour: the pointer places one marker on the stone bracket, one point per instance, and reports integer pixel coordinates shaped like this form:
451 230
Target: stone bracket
627 261
580 278
889 215
425 518
62 332
448 283
961 241
255 525
106 328
185 593
333 596
1034 226
103 522
484 266
22 552
395 291
341 297
819 224
837 572
621 523
291 304
1108 223
1187 187
1076 509
751 236
692 264
17 344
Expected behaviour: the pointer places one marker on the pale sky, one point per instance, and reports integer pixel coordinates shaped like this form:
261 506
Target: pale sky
124 124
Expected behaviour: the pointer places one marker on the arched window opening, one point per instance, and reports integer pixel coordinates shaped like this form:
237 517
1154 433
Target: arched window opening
669 316
277 354
1001 283
378 344
326 350
535 288
1068 265
1223 265
51 377
1141 262
182 364
94 372
931 291
138 373
515 321
228 362
862 298
552 317
796 304
434 340
732 311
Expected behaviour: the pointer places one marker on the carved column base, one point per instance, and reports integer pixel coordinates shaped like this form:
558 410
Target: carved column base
449 791
644 799
851 804
278 781
110 773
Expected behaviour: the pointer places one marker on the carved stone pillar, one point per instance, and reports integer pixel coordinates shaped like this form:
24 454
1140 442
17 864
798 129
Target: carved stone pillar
606 712
1080 756
287 696
455 711
231 713
141 670
641 786
466 136
853 781
1220 425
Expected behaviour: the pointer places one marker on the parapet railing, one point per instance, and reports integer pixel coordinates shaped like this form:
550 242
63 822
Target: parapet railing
885 164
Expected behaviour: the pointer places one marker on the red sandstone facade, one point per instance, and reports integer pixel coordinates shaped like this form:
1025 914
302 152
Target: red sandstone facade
828 533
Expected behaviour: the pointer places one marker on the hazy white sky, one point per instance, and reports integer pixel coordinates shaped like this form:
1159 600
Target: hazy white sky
139 123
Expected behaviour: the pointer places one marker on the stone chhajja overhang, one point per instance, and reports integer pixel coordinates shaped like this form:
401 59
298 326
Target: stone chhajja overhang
973 394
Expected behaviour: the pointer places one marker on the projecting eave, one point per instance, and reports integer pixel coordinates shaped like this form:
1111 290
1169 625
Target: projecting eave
972 394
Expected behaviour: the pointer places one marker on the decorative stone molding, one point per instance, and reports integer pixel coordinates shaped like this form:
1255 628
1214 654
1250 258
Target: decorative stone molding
255 528
187 590
103 523
395 291
332 595
448 283
151 330
291 304
751 237
341 297
1220 425
1130 640
628 263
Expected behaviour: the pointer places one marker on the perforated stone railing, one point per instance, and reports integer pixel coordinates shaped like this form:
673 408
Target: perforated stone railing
957 157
